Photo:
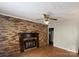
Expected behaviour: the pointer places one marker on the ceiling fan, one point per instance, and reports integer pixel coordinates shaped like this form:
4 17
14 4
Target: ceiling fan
48 17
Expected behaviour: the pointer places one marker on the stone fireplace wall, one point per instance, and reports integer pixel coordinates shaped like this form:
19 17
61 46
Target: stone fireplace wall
9 29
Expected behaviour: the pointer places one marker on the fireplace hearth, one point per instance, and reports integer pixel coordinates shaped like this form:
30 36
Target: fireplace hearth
28 40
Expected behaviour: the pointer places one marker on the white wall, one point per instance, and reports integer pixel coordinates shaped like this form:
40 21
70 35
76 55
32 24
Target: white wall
65 34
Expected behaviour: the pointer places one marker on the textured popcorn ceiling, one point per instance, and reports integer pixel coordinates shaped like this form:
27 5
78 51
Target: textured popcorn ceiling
34 10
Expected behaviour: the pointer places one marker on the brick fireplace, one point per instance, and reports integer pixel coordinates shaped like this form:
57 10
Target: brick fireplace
9 29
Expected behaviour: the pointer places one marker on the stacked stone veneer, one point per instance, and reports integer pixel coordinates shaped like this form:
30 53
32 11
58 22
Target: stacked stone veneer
9 29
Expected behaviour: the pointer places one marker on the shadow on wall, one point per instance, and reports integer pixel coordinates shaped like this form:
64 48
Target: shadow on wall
78 40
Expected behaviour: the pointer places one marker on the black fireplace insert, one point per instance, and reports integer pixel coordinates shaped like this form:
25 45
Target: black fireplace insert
28 40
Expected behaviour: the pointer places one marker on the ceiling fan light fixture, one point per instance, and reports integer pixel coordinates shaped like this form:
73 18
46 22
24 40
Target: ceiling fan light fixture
46 21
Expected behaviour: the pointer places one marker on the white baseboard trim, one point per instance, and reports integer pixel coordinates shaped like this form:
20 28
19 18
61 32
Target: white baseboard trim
66 49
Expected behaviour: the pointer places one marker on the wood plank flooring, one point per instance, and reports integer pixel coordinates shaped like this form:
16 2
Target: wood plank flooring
47 51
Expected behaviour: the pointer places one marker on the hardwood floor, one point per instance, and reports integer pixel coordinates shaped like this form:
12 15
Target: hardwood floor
47 51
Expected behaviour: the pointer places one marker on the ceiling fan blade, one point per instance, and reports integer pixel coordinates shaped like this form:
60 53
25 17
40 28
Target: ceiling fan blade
46 16
53 19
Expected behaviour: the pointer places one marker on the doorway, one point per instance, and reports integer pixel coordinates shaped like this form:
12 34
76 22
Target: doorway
51 32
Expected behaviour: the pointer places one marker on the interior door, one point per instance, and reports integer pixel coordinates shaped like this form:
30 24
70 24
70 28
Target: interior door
51 32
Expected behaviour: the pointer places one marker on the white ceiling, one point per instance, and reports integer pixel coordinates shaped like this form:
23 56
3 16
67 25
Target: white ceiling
34 10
